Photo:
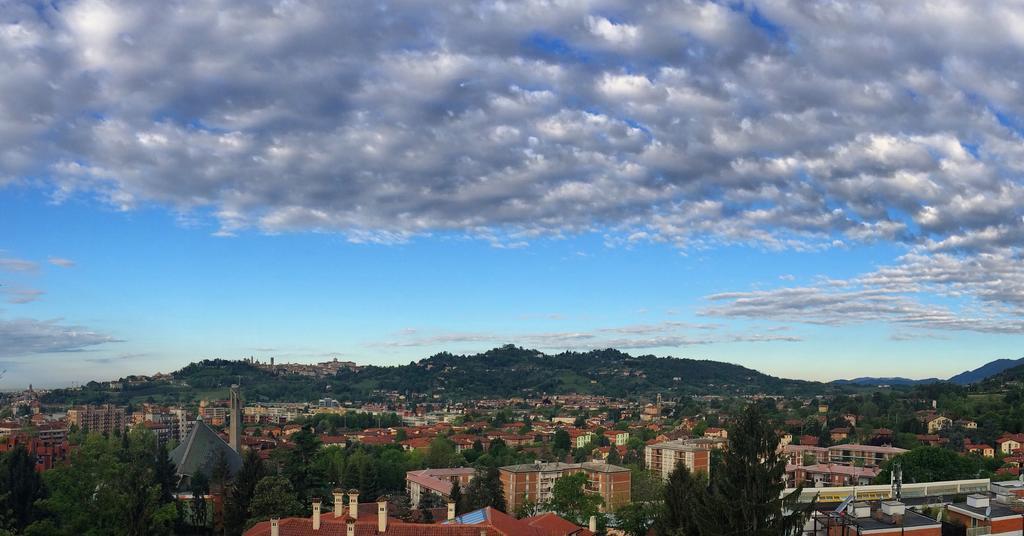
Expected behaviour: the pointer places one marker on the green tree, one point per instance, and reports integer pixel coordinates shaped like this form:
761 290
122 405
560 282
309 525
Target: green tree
682 497
637 518
485 489
199 486
570 499
274 496
240 495
21 486
613 455
440 453
561 442
306 476
932 464
455 496
745 492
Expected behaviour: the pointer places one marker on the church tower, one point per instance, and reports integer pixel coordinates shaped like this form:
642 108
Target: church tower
235 430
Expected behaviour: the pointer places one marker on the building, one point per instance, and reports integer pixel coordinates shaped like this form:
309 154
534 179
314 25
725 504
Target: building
200 452
235 430
617 437
720 433
887 517
439 481
866 455
829 475
985 516
534 482
374 519
662 458
105 419
1010 443
52 433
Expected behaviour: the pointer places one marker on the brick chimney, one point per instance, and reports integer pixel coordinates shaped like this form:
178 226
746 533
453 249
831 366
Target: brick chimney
350 527
451 510
275 529
316 513
353 503
382 515
339 503
593 524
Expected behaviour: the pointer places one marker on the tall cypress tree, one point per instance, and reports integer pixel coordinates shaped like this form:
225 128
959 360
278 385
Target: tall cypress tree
456 497
744 496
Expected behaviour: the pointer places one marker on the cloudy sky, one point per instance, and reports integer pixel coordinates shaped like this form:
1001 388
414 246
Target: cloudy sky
814 189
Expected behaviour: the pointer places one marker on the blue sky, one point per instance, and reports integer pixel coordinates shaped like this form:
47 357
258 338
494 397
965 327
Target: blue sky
812 189
172 293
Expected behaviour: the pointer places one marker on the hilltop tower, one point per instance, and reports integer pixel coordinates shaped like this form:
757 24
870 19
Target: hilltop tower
235 430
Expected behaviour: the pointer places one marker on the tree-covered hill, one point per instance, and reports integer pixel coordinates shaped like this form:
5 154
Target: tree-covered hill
502 372
512 371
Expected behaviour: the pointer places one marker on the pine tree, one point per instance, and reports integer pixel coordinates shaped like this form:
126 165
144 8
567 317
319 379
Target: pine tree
613 456
239 496
683 495
745 492
456 497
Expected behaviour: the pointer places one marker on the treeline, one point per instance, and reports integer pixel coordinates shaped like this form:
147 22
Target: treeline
121 485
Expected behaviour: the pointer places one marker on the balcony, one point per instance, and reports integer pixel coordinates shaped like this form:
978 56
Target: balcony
979 531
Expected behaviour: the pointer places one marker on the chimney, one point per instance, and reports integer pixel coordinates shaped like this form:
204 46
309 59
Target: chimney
893 508
275 529
593 524
339 503
451 510
860 510
382 515
350 527
353 503
316 513
978 500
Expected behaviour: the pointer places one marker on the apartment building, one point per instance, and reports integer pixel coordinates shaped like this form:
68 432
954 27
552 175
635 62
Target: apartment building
829 475
535 481
103 419
662 458
438 481
865 455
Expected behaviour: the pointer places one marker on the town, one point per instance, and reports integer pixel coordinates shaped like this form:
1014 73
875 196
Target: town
865 460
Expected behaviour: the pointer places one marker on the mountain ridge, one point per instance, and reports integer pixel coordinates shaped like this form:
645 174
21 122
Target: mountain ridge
967 377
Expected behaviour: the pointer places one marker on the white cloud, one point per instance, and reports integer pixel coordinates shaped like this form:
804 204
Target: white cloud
62 262
24 336
810 126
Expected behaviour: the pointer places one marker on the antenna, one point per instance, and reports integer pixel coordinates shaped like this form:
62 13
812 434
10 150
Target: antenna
896 477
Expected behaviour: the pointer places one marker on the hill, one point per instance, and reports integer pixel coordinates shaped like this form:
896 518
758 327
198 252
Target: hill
513 371
985 371
499 373
868 381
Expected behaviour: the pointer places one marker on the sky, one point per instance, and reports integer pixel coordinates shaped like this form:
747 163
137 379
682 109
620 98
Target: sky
815 189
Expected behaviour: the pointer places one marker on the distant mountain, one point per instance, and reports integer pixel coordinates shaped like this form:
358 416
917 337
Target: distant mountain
1001 379
872 382
504 372
964 378
989 369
